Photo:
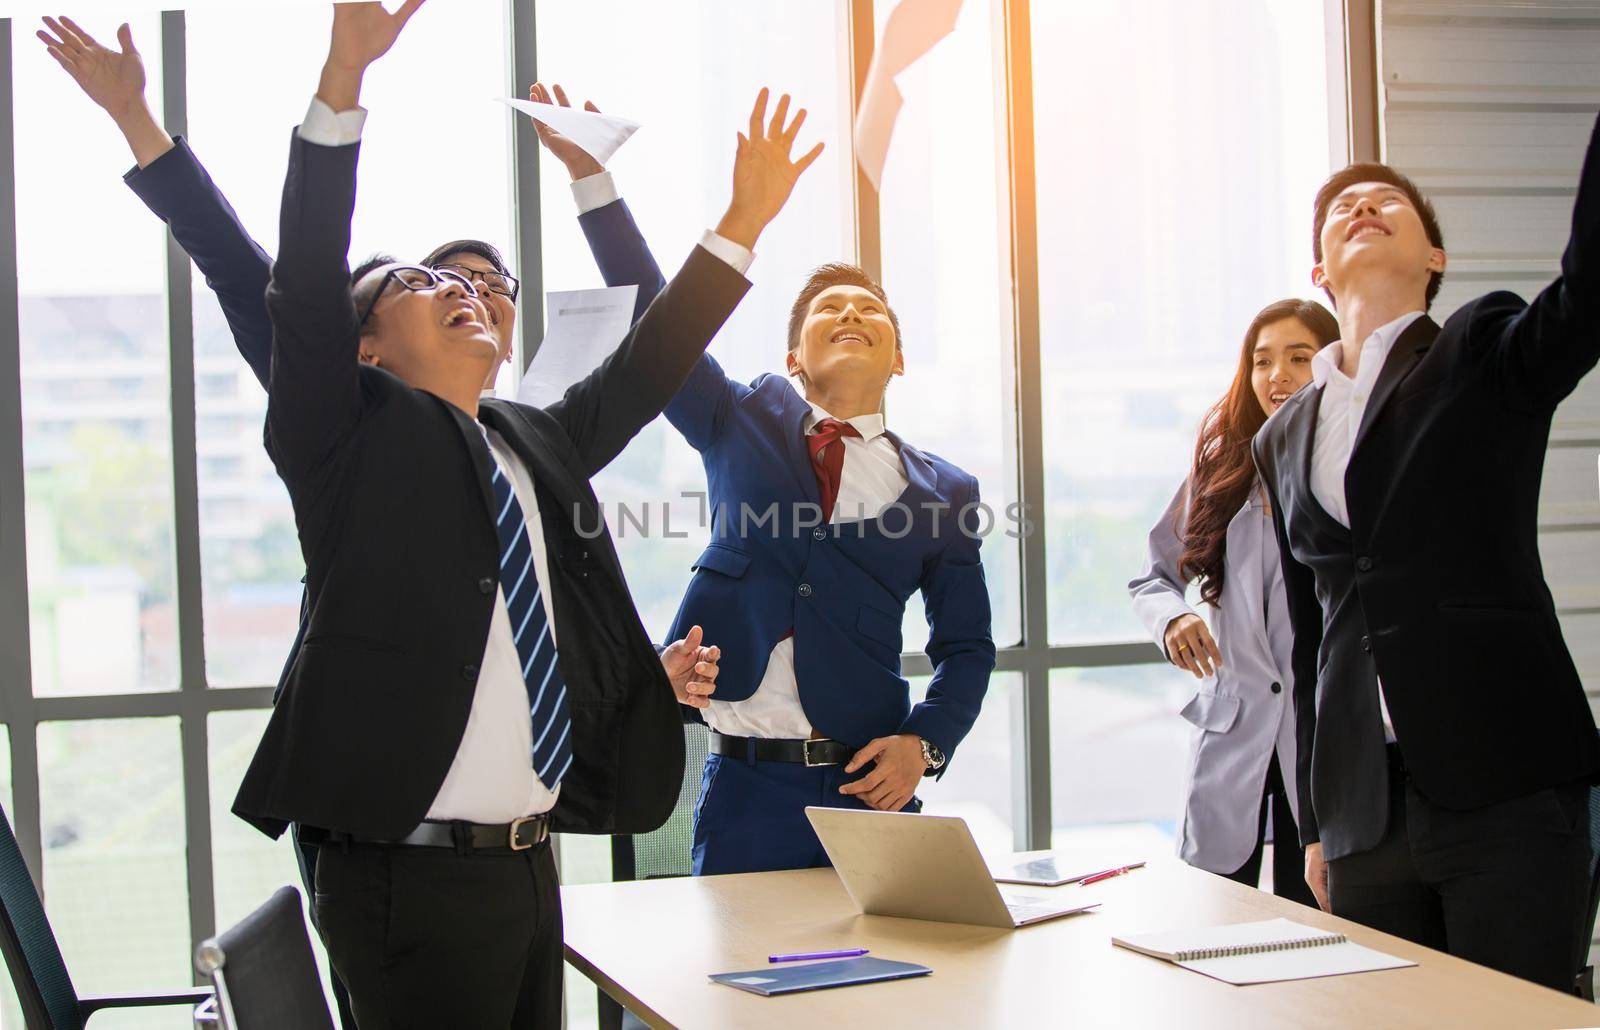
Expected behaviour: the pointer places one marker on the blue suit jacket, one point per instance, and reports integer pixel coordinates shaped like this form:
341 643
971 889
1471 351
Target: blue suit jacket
842 588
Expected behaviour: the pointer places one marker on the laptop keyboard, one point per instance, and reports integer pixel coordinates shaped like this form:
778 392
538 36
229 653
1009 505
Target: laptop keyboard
1023 907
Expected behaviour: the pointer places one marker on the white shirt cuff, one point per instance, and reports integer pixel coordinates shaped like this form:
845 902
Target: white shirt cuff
594 191
737 256
326 128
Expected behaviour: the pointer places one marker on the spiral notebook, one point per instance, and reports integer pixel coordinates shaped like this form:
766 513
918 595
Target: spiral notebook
1265 952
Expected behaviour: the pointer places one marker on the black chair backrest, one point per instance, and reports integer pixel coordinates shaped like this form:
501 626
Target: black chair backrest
665 851
268 969
44 988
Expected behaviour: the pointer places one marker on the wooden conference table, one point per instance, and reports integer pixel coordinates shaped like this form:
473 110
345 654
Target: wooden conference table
650 945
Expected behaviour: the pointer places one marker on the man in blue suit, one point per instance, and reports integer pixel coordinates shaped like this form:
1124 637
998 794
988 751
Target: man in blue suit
824 523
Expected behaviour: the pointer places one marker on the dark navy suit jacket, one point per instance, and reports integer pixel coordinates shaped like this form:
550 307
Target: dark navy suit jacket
841 588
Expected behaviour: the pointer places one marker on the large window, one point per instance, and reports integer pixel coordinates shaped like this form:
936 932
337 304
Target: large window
1172 208
676 175
1172 151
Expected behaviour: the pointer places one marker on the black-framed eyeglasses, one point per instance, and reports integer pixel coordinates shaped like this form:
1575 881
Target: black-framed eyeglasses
416 277
502 283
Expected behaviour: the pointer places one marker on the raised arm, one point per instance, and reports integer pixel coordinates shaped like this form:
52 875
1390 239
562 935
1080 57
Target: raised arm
1539 354
624 259
314 393
174 185
618 246
605 410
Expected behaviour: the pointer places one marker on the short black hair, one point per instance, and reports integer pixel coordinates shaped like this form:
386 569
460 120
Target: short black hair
825 277
482 249
1372 171
364 297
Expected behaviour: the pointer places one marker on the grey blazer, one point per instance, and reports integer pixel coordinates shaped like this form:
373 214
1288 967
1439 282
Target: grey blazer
1239 718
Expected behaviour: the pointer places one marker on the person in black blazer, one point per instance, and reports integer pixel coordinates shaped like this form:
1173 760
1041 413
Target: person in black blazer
435 886
1445 743
170 180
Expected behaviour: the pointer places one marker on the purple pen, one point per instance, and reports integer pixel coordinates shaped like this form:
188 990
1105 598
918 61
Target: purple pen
803 956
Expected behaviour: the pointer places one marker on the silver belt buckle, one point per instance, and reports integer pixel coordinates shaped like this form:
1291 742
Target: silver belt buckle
517 824
807 749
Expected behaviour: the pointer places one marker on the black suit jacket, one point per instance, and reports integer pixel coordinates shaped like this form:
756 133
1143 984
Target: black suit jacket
1437 588
391 493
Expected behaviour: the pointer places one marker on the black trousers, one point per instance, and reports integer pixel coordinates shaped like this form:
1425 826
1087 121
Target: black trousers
305 853
428 938
1288 857
1506 885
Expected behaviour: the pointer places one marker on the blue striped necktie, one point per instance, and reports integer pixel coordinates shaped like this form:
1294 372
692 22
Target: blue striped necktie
530 627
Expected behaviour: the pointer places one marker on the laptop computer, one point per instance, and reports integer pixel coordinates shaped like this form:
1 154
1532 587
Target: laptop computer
922 867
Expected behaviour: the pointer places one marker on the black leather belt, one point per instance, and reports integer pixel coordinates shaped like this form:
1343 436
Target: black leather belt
527 832
809 753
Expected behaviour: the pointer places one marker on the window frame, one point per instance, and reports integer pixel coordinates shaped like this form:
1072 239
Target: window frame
195 700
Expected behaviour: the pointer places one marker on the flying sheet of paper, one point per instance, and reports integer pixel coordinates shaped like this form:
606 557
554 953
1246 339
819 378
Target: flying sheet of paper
582 329
598 134
914 26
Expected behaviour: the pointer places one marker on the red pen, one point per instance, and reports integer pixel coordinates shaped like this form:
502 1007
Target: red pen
1108 874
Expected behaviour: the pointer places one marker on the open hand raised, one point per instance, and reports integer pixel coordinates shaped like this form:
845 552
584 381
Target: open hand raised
112 79
364 32
580 163
763 173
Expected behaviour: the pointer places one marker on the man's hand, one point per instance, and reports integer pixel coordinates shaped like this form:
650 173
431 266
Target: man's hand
362 33
763 174
892 783
1317 876
112 79
580 163
1190 646
692 669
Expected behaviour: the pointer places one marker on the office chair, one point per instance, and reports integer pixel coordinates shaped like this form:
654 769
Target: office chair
1584 985
263 971
39 973
662 852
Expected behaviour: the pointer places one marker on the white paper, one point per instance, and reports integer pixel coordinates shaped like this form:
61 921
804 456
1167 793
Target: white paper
1286 961
1297 964
582 329
599 135
914 26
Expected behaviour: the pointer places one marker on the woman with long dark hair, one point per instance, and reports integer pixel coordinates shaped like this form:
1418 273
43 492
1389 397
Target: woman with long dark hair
1218 531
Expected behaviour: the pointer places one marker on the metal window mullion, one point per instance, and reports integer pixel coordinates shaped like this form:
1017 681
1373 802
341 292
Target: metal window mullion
186 519
1032 714
524 66
16 659
860 33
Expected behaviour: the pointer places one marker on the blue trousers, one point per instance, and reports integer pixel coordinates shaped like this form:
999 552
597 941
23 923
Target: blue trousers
751 816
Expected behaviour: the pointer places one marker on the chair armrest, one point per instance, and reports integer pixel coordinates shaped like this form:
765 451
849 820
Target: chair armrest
92 1003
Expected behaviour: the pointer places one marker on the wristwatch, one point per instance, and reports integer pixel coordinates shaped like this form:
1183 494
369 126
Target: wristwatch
931 755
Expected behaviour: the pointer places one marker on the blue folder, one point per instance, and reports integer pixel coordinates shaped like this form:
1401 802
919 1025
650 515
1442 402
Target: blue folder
815 976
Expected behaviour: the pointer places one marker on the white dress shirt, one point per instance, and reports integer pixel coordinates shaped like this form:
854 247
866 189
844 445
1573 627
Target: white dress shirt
872 479
491 778
1344 402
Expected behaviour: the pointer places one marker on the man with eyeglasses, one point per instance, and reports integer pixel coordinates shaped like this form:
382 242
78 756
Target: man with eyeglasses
369 738
474 673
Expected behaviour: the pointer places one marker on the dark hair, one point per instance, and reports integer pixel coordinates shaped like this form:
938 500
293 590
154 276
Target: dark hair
826 277
487 251
1224 470
365 297
1371 171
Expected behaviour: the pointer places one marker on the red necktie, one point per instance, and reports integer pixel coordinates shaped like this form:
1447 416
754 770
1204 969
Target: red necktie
827 460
